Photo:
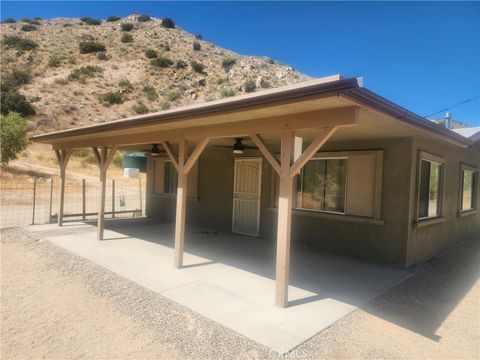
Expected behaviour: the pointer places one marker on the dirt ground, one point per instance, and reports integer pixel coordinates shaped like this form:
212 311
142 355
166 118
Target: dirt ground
56 305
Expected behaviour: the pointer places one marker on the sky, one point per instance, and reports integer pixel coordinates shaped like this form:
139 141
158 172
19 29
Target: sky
424 56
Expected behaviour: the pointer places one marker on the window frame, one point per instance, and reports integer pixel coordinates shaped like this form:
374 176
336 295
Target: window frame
465 167
425 156
165 162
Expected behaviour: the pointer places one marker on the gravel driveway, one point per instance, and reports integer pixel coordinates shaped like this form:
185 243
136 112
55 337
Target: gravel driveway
56 305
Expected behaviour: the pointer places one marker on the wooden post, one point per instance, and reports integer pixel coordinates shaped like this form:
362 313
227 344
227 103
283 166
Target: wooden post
284 221
113 199
51 202
62 156
84 201
140 192
181 204
104 158
34 199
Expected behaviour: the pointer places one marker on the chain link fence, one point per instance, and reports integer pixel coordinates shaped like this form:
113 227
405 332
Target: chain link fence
36 201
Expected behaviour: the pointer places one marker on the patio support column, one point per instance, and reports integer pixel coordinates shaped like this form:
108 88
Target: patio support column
104 158
63 156
183 166
284 220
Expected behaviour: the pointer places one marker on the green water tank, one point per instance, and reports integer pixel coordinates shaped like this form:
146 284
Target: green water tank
135 160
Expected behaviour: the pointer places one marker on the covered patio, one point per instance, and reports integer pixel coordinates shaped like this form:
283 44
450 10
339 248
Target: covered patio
229 278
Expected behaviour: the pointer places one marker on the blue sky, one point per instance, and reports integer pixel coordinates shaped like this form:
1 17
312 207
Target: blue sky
424 56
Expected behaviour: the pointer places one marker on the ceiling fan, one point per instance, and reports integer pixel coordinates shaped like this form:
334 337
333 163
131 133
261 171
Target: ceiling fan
155 150
238 147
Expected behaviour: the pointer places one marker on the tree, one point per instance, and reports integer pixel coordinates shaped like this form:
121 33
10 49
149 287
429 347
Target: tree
13 101
13 136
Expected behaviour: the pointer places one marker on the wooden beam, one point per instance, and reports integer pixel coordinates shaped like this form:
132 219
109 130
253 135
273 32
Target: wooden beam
63 156
266 153
314 146
168 149
97 155
110 156
195 155
181 204
284 221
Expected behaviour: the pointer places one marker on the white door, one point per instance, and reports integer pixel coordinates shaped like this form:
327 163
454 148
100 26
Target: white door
246 196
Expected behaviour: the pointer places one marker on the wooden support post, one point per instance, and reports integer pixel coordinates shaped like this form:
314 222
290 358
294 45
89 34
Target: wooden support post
104 158
284 221
50 205
84 200
34 199
181 204
62 156
113 199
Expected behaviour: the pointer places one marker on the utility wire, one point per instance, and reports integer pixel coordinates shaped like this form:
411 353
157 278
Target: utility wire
451 107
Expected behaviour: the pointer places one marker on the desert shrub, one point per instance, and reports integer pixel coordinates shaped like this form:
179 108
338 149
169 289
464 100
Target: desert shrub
19 43
197 46
25 20
143 18
35 22
37 18
90 21
168 23
199 37
67 25
13 134
166 106
161 62
102 56
227 93
264 84
174 95
126 26
113 18
126 38
150 92
197 67
28 27
84 72
140 108
125 85
249 86
91 46
151 54
60 81
72 60
228 63
165 47
54 61
18 77
12 101
9 21
118 160
181 64
112 97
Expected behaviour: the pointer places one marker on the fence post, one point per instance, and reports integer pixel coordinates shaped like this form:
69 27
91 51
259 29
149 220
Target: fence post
34 196
140 192
51 202
83 200
113 198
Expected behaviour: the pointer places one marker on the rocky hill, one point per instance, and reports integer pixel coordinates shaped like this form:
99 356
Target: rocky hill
82 71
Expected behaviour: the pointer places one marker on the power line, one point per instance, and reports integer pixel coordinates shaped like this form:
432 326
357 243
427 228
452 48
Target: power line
451 107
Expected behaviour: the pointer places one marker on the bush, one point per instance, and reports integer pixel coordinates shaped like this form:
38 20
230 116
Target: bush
174 95
18 77
140 108
9 21
228 63
143 18
166 106
25 20
181 64
199 37
150 92
197 67
84 72
13 101
103 56
228 93
90 21
35 22
38 18
54 61
28 27
125 85
249 86
112 97
126 38
126 26
151 54
19 43
197 46
13 135
168 23
161 62
113 18
91 46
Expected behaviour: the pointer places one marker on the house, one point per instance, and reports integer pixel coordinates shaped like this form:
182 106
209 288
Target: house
325 163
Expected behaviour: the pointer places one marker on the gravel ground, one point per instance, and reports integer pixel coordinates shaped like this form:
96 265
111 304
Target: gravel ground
56 305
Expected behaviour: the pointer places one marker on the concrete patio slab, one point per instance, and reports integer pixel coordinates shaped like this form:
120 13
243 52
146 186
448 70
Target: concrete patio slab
229 278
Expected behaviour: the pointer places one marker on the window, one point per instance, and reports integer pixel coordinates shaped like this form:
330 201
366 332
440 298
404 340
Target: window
321 185
431 189
169 178
469 189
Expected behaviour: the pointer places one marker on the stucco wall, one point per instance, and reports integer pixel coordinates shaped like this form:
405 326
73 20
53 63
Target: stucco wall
425 241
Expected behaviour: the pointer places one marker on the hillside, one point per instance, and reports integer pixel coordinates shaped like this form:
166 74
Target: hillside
121 81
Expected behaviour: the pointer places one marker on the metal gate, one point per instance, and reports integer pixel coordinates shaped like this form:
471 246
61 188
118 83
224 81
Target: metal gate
246 196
